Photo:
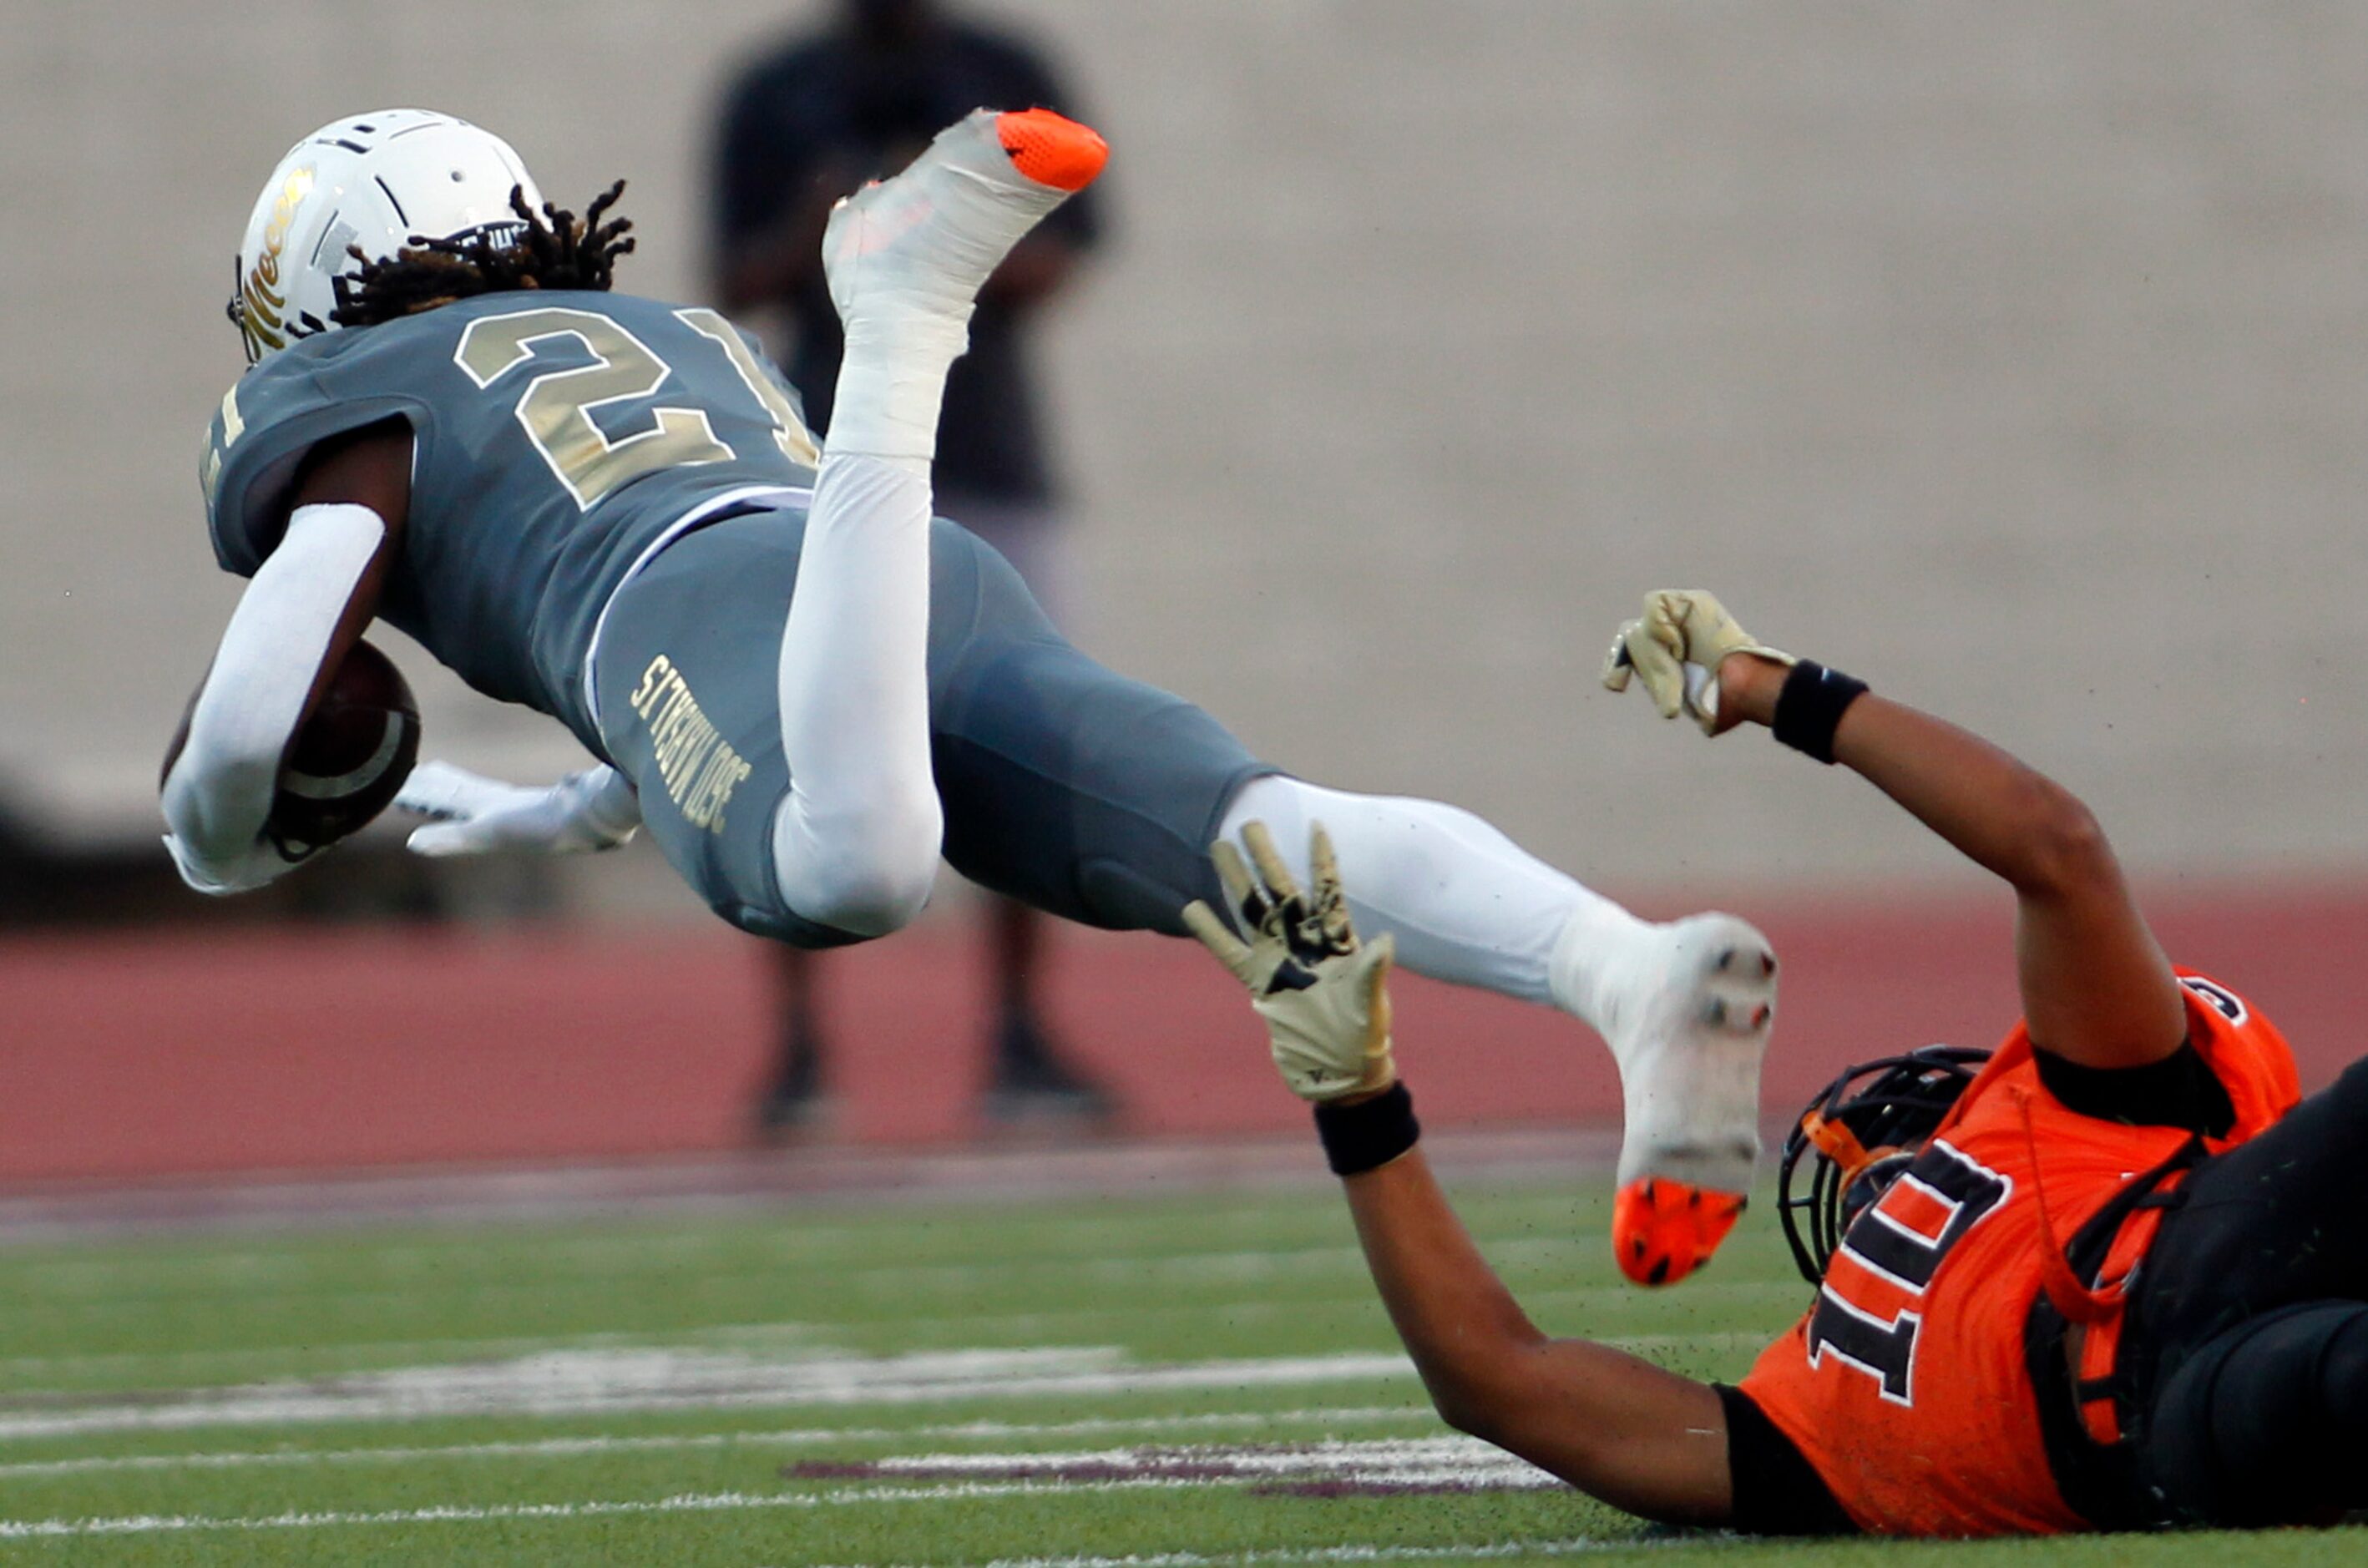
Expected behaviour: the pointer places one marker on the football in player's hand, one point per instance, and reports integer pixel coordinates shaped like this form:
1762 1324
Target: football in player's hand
350 758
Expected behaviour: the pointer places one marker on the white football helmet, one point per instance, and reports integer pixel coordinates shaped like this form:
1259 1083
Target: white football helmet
377 181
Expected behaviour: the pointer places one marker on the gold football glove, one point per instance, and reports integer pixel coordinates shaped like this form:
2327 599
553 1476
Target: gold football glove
1324 994
1675 647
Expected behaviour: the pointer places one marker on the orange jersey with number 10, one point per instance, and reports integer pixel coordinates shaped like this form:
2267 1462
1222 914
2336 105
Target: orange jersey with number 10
1906 1385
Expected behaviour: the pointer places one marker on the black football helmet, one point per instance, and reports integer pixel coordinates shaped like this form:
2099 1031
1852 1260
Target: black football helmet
1867 1127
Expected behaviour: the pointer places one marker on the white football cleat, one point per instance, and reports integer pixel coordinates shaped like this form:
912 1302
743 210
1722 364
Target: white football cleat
1687 1011
927 240
907 258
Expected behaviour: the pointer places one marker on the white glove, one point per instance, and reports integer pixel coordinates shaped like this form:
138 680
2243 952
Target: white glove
592 810
1325 996
1676 646
251 869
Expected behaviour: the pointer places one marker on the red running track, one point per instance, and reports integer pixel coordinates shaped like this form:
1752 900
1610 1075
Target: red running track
131 1058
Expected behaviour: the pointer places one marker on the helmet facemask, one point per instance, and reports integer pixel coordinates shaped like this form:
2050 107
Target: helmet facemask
1858 1137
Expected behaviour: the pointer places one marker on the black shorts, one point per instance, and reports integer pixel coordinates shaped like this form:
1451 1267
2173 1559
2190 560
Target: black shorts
1065 786
2248 1325
2242 1379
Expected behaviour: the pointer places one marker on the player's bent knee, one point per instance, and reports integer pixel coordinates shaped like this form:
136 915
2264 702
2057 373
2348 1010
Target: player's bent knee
866 873
868 897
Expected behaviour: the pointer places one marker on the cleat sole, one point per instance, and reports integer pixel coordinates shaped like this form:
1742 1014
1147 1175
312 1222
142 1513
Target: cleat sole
1663 1230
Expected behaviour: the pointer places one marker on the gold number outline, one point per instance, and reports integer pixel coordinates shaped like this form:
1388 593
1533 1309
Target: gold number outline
558 422
232 427
789 433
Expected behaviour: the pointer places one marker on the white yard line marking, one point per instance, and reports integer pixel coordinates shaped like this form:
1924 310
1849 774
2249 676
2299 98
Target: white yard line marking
1272 1459
583 1384
1421 1462
1066 1321
888 1391
272 1358
682 1503
1568 1548
1389 1464
339 1360
797 1436
989 1325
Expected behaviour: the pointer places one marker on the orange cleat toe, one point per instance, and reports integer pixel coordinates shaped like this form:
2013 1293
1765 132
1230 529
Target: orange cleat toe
1052 150
1663 1230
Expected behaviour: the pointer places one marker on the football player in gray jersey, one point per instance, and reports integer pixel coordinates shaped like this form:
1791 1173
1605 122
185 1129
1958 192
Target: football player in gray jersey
806 689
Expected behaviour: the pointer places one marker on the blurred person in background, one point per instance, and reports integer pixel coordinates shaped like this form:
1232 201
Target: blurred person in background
803 125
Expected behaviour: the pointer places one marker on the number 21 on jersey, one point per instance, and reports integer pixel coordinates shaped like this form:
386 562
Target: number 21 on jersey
557 407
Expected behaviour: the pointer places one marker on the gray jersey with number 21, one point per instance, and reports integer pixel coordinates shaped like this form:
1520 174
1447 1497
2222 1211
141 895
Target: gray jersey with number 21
556 436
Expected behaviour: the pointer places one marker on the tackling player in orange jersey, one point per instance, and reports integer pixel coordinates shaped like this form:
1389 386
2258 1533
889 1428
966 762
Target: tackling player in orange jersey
2112 1275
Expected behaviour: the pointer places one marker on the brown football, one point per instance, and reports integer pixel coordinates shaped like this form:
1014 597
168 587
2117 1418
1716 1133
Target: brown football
350 758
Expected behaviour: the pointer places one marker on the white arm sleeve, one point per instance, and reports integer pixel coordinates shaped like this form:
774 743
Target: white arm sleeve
219 789
855 842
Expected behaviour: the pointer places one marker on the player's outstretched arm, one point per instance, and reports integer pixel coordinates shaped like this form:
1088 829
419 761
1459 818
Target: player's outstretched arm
301 614
2096 987
1617 1427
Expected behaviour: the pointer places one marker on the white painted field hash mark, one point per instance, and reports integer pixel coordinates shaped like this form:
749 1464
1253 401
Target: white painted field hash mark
582 1384
1579 1547
681 1503
229 1361
1392 1465
997 1324
798 1437
1395 1465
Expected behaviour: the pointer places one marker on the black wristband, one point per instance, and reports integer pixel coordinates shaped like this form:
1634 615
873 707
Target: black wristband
1369 1134
1811 706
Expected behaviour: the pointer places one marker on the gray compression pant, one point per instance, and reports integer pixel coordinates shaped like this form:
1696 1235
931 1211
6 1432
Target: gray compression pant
1064 785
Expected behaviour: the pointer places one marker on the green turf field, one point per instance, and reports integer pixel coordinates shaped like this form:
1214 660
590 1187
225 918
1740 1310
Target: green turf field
1167 1382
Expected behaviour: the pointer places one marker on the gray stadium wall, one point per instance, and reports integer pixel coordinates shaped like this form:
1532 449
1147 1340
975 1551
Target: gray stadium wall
2010 356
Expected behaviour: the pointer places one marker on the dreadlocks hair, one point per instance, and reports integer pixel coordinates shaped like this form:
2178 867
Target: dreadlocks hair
551 249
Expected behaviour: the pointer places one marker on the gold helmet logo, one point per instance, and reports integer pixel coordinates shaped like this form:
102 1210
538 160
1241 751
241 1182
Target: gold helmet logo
263 302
